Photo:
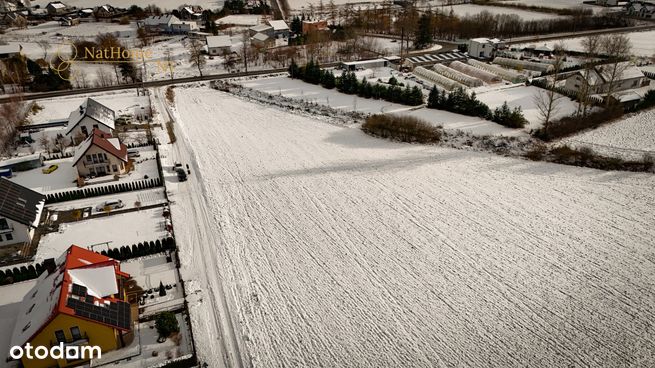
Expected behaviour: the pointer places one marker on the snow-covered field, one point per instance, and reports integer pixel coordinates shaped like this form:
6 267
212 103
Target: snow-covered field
116 230
631 137
339 249
642 43
471 9
564 4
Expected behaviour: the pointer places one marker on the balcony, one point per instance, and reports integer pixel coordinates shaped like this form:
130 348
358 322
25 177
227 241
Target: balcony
95 163
82 340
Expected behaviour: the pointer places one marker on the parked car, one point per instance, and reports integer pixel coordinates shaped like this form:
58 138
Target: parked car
49 169
113 204
181 174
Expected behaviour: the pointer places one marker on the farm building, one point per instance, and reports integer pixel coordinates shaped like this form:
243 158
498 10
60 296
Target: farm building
484 48
262 28
641 9
508 74
364 64
56 8
523 64
431 59
438 79
475 72
457 76
630 77
280 28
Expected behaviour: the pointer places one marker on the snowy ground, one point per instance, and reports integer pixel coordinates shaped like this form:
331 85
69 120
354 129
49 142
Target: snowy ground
564 4
336 247
631 137
471 9
146 197
164 4
642 43
122 102
115 231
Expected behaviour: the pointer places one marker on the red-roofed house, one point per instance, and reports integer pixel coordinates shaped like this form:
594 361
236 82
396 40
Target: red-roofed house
80 300
100 154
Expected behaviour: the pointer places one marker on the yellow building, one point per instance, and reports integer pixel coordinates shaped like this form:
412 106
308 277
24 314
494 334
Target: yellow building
79 304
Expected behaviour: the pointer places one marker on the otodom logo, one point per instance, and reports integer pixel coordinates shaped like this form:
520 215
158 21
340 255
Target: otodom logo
63 61
57 352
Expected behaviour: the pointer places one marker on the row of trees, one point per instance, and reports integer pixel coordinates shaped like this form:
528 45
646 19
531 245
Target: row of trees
460 102
104 190
348 83
22 273
141 249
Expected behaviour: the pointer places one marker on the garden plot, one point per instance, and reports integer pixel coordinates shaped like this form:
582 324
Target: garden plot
300 90
642 43
336 247
631 137
106 232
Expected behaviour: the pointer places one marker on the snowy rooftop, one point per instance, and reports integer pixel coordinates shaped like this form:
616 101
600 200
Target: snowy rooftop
219 41
95 111
278 25
9 49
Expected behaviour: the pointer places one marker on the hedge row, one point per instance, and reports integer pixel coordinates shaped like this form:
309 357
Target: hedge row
23 273
141 249
56 156
104 190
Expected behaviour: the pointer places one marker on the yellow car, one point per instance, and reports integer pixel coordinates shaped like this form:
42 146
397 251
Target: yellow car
50 169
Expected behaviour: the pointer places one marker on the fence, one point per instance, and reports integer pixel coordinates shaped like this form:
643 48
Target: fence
102 190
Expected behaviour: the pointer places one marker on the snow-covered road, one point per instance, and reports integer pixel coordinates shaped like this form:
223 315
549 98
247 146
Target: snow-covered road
336 249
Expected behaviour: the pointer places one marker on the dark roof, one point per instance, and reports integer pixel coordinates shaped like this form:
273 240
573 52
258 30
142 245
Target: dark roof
93 109
101 139
19 203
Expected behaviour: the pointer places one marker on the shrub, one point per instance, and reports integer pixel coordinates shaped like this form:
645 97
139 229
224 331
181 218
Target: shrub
573 124
401 128
588 158
503 115
166 324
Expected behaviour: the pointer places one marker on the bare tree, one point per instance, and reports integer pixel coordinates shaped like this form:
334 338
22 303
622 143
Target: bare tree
60 143
169 63
196 57
547 102
591 46
617 47
11 116
45 143
45 46
103 78
245 38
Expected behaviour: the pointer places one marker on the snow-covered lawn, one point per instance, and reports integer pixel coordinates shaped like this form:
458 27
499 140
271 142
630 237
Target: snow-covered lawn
524 97
113 231
336 247
59 34
63 178
642 43
163 4
146 197
470 124
10 303
631 137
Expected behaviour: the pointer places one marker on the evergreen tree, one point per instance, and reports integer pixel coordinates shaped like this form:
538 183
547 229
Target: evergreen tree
434 99
423 36
294 70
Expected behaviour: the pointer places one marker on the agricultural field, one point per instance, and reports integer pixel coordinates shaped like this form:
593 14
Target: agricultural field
642 43
333 246
631 137
470 9
164 4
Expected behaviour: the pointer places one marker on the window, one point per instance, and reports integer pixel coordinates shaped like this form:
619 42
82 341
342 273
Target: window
75 332
0 238
88 158
27 326
85 131
95 126
3 224
59 335
114 168
9 236
30 310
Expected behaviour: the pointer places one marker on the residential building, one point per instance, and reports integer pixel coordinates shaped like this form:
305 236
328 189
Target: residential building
191 12
23 163
13 19
69 21
262 40
484 48
314 25
630 77
184 27
159 23
79 300
105 11
56 8
100 154
20 212
280 28
218 45
7 51
89 116
263 29
641 9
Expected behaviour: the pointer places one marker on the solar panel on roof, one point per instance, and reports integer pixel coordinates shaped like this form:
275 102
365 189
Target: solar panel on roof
79 290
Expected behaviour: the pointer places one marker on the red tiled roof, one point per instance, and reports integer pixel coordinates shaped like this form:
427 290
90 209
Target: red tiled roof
100 139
